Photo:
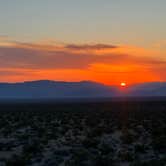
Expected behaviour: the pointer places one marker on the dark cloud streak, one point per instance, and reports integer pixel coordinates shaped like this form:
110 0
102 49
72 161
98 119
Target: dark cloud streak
20 56
86 46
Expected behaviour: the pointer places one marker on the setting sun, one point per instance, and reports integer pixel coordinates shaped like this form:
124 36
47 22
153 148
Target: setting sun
123 84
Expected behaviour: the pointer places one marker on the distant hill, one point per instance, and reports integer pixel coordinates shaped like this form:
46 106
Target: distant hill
54 89
148 89
58 89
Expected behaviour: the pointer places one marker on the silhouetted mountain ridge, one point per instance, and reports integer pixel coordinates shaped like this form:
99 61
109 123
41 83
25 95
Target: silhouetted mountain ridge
54 89
149 89
61 89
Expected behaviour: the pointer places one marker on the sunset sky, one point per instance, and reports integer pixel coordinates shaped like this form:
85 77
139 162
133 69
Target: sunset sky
108 41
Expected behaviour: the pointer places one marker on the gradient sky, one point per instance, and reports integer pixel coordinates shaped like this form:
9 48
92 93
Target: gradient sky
100 40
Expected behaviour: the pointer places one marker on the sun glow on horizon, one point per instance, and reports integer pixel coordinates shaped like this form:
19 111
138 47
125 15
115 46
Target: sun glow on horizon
122 84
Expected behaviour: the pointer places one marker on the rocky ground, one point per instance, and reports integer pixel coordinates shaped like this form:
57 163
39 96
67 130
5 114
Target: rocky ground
96 134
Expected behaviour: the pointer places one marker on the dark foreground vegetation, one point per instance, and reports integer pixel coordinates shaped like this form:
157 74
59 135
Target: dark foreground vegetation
88 134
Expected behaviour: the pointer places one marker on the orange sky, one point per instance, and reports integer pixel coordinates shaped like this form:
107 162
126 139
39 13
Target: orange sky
106 63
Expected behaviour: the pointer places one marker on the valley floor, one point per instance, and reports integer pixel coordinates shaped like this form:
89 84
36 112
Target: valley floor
88 134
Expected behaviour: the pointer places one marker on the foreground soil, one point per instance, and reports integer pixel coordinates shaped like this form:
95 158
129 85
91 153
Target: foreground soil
120 133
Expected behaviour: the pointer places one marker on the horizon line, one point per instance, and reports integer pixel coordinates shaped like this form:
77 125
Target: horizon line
63 81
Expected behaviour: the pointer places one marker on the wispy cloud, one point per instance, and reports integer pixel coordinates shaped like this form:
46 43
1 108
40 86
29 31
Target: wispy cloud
97 58
90 47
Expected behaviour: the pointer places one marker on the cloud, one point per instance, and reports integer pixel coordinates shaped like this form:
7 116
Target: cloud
31 55
90 47
3 37
13 72
10 72
160 44
43 56
86 58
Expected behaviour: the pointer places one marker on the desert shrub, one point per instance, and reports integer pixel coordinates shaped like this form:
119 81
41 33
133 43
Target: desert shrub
95 132
126 156
32 148
127 138
139 148
153 162
80 157
16 161
159 143
61 152
90 142
103 161
106 149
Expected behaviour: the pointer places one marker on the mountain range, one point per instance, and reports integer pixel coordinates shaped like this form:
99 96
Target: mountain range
83 89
